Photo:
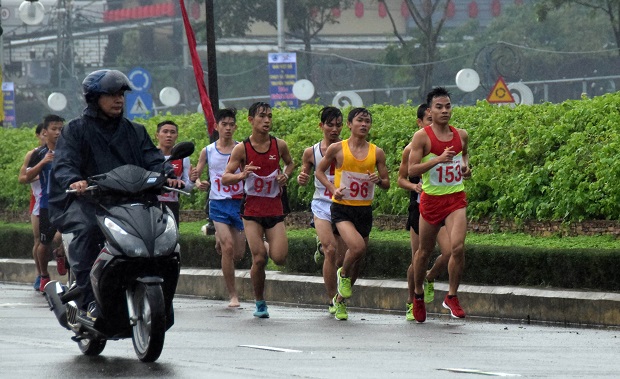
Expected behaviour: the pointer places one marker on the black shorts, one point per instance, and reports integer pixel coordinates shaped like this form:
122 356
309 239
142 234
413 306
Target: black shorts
46 229
361 217
413 220
265 222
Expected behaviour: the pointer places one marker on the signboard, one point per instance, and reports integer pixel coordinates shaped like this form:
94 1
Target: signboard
138 104
500 93
140 79
282 77
8 92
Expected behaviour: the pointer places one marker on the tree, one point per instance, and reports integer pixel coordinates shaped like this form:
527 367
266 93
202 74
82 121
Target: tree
429 16
611 8
305 18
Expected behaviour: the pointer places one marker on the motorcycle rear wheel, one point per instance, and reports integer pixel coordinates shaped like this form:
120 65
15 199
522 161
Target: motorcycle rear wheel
150 330
91 346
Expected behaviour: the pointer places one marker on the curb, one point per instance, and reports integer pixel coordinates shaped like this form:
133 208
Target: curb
567 307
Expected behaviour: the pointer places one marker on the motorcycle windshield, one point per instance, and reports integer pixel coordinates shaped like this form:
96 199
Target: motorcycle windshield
129 179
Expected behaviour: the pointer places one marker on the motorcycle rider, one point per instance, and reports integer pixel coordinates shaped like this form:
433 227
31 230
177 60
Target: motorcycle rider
95 143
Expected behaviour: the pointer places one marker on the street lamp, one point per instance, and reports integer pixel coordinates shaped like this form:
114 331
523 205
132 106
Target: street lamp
31 12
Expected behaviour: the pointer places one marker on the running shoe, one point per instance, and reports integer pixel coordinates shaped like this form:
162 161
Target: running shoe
419 310
261 309
429 291
332 308
409 313
61 266
344 285
44 281
453 305
318 254
37 283
341 310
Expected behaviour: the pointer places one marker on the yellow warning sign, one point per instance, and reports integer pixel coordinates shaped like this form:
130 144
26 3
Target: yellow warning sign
500 93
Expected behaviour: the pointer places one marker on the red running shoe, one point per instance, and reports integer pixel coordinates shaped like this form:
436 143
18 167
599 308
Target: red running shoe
453 305
419 310
61 265
44 281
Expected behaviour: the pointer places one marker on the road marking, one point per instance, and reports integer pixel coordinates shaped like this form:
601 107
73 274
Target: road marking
280 350
479 372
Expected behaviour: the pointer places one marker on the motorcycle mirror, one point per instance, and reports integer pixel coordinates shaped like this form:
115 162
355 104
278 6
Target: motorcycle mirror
181 150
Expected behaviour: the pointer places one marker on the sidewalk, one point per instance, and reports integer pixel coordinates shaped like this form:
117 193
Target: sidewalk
578 308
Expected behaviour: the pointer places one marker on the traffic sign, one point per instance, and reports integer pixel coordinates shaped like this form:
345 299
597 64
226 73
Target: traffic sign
140 79
500 93
139 104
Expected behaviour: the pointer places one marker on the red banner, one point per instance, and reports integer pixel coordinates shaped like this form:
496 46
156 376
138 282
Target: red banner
198 73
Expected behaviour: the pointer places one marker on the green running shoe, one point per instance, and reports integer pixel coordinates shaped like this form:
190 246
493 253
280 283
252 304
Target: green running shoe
319 257
332 308
344 285
341 310
429 291
409 313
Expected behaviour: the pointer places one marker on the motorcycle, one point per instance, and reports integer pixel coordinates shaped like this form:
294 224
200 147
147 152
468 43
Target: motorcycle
135 275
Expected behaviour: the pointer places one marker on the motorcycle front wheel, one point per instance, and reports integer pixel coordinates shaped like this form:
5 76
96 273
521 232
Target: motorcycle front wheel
150 329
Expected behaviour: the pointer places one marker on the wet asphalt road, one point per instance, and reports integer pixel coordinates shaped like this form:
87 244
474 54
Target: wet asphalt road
212 341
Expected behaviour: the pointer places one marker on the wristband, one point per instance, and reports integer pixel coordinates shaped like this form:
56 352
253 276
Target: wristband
286 176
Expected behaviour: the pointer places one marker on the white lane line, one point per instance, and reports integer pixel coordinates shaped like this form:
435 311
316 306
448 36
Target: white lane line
269 348
479 372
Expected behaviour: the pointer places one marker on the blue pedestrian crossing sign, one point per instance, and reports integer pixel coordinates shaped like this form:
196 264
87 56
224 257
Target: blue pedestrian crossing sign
138 105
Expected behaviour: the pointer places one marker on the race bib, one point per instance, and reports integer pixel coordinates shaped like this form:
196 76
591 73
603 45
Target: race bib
359 187
447 174
323 191
262 186
225 192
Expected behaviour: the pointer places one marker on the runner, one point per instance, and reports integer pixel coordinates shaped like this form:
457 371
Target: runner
167 135
439 154
331 246
414 185
258 158
353 191
224 201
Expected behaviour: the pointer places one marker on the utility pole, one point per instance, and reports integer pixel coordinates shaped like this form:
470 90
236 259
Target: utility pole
280 16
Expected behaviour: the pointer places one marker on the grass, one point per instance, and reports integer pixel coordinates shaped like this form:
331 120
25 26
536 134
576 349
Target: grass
498 239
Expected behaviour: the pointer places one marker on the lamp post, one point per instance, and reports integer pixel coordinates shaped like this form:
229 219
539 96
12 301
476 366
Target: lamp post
211 62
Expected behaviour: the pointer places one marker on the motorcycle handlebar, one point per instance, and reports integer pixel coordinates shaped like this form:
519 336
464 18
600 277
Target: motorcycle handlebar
89 188
171 189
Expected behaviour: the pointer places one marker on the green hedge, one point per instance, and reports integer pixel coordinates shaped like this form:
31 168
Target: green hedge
539 162
485 265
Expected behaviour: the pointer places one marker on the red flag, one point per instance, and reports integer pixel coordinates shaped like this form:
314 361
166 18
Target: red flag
198 73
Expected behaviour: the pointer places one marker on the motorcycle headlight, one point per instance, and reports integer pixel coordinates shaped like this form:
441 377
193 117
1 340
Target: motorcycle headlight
131 245
167 241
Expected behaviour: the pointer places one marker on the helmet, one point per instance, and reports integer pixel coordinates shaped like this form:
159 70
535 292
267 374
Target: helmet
104 82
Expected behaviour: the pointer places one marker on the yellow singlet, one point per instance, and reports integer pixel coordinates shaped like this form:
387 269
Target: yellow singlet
353 174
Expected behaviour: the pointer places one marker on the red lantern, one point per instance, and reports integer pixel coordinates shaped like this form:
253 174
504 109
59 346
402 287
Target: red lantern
450 9
382 10
496 8
314 13
404 10
336 12
359 9
473 9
